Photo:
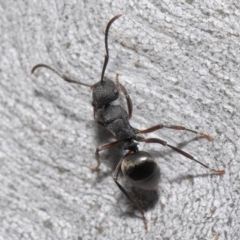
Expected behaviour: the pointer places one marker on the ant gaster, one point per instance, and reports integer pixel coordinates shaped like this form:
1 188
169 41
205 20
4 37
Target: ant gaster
138 167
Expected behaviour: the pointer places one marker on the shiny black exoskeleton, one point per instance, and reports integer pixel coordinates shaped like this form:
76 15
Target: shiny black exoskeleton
138 167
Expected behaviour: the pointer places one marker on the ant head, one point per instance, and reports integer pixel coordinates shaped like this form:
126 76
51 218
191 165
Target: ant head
104 92
141 170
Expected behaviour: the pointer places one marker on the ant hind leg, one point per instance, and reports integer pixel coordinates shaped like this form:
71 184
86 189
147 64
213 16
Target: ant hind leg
185 154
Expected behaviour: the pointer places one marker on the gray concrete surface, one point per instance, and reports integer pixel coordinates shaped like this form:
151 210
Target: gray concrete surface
179 61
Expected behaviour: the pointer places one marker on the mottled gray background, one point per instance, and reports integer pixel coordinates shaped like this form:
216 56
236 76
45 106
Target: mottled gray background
179 61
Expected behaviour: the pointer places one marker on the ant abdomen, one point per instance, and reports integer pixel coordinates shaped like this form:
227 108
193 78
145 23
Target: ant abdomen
141 170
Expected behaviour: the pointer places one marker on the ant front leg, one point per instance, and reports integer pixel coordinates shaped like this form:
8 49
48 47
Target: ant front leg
174 127
185 154
128 99
131 199
101 148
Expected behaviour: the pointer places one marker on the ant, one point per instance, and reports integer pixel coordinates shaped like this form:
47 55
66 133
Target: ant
138 167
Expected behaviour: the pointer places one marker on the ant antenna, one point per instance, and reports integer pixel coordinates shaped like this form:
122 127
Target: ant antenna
106 44
64 77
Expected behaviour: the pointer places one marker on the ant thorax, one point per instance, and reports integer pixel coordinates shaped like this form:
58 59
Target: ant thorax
116 120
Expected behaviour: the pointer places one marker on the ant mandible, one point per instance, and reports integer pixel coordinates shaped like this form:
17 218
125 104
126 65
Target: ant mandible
138 167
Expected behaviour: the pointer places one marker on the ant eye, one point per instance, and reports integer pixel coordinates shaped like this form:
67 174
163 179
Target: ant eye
115 91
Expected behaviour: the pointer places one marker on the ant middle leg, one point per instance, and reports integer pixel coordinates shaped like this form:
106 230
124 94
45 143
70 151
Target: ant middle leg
130 198
175 127
185 154
128 99
101 148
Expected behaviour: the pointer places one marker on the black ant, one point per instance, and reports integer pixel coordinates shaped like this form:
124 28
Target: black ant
138 167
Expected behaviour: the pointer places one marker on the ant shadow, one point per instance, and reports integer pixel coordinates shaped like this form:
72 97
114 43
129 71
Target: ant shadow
64 111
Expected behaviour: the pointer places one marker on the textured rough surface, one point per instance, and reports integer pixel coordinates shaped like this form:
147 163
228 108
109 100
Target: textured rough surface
179 60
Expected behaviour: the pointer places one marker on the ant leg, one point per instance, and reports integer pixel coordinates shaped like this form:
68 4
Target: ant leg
130 198
185 154
160 126
128 99
101 148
